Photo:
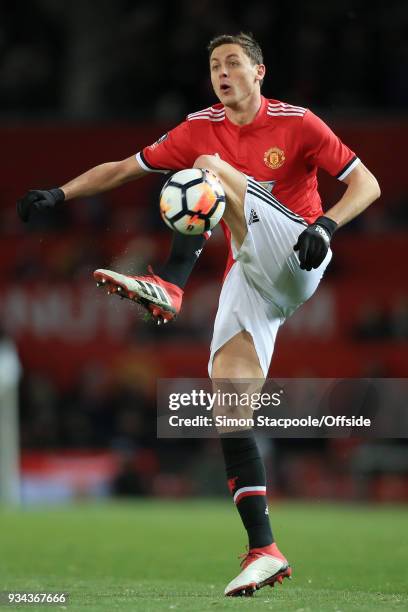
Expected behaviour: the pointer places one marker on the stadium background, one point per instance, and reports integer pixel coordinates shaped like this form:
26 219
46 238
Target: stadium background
80 86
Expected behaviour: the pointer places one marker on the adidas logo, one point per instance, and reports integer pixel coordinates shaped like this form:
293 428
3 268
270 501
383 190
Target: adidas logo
153 291
253 217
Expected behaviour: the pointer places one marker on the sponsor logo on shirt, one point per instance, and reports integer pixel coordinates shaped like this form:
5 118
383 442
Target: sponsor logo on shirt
274 158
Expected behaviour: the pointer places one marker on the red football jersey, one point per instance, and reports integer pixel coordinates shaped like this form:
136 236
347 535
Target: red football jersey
282 148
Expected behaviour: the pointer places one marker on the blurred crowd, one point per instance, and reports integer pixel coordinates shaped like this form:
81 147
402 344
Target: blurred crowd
148 59
377 323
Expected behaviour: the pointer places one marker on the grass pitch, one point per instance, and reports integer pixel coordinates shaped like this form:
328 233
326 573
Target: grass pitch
155 555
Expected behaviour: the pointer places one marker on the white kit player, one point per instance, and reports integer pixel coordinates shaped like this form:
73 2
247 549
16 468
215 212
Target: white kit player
266 154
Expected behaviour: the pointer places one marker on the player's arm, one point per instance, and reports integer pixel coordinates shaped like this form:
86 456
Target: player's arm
362 190
103 178
172 151
96 180
325 150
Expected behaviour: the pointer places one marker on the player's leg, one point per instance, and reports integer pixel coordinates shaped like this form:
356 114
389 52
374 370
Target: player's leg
235 186
160 298
184 253
237 360
161 294
239 354
245 470
264 287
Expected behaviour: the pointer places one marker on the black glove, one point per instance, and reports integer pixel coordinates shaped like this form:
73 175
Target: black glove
39 199
314 242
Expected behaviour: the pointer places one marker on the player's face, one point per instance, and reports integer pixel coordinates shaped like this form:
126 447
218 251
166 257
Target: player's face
233 76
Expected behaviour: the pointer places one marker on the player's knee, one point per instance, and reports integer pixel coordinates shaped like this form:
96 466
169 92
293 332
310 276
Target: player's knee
226 368
209 162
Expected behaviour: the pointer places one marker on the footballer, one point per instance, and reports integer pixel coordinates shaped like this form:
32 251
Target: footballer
266 153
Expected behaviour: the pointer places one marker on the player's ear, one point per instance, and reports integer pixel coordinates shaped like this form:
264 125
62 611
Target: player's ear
260 72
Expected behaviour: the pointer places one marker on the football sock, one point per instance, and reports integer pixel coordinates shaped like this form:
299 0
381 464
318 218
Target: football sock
247 484
185 250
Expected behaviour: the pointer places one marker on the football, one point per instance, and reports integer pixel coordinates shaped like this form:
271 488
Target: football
192 201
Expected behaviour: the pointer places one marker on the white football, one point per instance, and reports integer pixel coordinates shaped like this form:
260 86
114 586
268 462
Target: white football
192 201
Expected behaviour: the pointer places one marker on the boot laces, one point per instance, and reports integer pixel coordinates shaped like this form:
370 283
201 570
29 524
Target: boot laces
247 557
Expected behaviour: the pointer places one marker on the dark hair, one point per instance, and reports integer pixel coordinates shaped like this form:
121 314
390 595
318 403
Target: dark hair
245 40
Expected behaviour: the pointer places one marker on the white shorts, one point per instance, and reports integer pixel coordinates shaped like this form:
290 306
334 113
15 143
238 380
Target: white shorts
265 285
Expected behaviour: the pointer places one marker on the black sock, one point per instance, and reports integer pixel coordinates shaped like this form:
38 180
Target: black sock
247 483
185 250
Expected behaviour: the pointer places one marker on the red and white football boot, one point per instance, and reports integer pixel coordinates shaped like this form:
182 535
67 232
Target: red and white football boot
161 298
260 567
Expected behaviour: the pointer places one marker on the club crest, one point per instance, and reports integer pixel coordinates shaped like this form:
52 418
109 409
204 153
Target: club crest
274 158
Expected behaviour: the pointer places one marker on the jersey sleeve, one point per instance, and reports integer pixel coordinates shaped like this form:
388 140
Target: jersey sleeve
325 150
173 151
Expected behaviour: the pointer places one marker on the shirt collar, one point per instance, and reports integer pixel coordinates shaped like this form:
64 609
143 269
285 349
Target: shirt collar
259 117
